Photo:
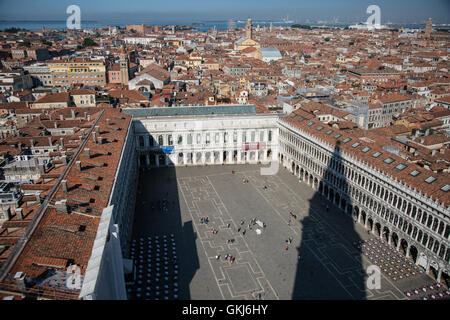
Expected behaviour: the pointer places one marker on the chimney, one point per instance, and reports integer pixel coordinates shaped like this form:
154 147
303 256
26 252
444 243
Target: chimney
50 141
89 117
61 117
78 163
61 142
100 140
56 125
433 152
8 214
20 281
32 142
64 160
19 213
107 122
85 115
38 198
61 206
73 113
442 150
94 136
97 129
64 185
88 154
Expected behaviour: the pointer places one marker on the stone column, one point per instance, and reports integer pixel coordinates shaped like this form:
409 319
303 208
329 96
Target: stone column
166 160
157 160
221 157
439 275
147 160
265 156
203 158
239 155
230 156
185 158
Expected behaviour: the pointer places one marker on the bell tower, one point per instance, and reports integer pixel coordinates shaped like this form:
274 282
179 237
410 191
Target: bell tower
123 60
248 29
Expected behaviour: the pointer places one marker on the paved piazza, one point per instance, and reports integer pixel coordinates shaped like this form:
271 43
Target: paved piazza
323 261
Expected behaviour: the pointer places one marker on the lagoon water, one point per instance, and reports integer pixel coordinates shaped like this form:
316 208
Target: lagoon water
206 25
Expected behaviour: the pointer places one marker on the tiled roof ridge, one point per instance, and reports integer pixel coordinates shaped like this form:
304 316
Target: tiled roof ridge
36 219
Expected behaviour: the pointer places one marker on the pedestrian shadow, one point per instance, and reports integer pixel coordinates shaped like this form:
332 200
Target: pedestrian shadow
330 261
158 214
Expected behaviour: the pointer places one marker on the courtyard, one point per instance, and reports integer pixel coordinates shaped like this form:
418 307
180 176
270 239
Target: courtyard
177 256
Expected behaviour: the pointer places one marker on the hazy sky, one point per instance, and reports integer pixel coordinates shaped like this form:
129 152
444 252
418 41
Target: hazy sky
400 11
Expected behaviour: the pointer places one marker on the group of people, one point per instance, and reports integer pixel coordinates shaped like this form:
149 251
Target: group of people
204 220
227 257
291 215
249 226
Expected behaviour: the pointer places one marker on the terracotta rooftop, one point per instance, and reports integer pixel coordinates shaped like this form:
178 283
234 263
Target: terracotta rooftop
331 136
61 239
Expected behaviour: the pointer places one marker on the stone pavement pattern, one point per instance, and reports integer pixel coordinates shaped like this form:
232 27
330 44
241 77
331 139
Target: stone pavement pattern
332 266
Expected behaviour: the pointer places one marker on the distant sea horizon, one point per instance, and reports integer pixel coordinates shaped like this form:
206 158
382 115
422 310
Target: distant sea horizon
197 25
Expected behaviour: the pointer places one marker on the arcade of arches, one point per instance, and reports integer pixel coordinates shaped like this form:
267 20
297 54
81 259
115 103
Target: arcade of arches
420 233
